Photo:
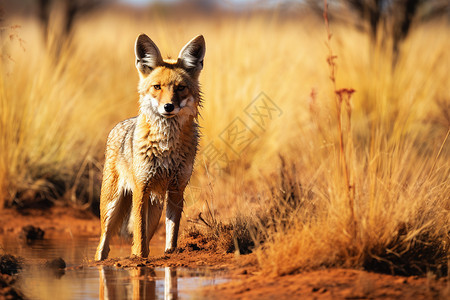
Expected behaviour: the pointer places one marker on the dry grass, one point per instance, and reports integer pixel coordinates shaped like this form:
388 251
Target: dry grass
383 204
55 115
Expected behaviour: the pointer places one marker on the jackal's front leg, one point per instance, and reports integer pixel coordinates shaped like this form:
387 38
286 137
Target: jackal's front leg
173 215
139 211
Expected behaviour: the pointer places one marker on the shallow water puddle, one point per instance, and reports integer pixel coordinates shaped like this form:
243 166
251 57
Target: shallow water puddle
114 283
104 282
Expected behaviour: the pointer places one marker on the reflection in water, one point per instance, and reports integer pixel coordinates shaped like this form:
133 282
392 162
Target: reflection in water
81 282
143 284
170 284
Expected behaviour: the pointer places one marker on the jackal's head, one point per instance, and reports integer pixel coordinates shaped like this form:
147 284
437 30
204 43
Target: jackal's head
169 88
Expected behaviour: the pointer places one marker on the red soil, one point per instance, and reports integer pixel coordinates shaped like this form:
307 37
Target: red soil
331 284
56 221
247 281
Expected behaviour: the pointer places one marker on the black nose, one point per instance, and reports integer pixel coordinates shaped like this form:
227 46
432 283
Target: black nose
168 107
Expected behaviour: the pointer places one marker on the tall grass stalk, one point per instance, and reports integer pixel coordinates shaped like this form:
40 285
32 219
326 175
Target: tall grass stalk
342 97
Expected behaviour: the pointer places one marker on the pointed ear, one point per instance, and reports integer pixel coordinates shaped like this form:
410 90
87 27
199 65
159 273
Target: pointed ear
147 53
192 54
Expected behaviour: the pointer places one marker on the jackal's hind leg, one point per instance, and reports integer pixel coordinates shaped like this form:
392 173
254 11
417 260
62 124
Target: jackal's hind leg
173 215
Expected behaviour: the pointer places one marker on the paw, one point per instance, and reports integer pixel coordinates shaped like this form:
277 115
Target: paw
170 250
100 257
101 254
140 250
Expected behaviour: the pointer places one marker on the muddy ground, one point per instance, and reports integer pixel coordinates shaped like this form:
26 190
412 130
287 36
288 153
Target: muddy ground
248 282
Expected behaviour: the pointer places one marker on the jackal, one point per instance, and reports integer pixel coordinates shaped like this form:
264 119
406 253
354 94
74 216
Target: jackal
149 158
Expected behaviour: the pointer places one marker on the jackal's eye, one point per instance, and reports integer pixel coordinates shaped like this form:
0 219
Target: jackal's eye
157 86
181 88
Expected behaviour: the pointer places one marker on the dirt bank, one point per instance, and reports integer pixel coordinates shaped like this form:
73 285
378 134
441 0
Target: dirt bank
189 259
331 284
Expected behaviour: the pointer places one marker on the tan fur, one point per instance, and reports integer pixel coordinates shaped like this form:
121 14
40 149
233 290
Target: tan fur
149 158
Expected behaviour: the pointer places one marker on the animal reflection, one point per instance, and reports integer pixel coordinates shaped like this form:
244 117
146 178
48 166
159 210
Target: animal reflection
138 283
